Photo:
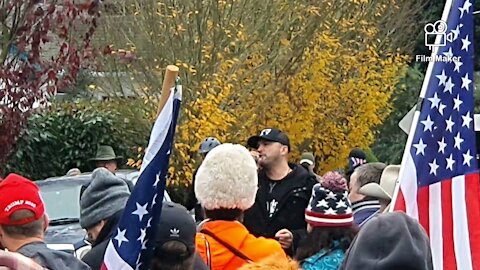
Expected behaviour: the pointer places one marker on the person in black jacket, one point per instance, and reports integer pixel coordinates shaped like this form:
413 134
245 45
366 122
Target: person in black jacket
283 192
174 246
101 207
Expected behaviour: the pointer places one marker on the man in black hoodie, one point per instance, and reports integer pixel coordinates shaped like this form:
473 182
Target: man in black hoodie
101 207
283 192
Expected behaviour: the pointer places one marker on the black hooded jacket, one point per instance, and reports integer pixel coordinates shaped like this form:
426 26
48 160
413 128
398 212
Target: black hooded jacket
290 197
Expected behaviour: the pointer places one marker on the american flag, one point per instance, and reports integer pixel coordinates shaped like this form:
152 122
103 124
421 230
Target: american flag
439 183
131 246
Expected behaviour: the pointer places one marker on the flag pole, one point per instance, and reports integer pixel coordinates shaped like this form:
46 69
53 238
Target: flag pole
416 116
171 74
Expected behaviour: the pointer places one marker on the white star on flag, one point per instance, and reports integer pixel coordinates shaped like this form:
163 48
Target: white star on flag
149 223
420 147
121 237
466 82
466 43
157 179
457 102
466 158
456 32
139 264
450 162
141 211
143 233
154 201
450 124
466 120
434 100
428 124
442 107
458 64
449 54
441 146
449 86
458 141
465 7
433 167
442 79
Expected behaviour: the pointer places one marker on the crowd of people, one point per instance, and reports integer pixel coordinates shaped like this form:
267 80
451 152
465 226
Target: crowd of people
254 209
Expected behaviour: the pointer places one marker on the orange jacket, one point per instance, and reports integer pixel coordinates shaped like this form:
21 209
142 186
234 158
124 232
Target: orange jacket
274 262
235 234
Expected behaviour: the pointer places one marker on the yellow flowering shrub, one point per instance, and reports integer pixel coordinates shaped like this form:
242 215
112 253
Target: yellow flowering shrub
323 72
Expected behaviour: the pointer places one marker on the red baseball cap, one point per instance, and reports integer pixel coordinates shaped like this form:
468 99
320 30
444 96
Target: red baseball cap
19 193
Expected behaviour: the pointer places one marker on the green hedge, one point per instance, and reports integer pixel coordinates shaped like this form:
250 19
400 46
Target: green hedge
67 135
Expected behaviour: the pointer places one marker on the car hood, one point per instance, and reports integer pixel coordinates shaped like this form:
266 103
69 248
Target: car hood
64 234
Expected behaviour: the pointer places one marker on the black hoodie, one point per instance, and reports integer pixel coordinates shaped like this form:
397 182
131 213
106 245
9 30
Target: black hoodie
281 205
392 241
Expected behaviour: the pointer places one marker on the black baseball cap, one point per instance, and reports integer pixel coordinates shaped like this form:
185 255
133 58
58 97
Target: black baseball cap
269 134
176 224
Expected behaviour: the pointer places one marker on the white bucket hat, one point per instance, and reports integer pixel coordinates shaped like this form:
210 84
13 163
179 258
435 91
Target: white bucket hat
385 189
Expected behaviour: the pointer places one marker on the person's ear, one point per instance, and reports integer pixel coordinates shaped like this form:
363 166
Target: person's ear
284 150
45 222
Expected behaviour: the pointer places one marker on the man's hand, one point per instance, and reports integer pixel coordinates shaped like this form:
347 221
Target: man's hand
285 238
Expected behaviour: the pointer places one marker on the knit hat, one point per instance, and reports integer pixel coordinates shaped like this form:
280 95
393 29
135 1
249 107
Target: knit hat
329 205
307 157
104 196
356 158
390 241
227 178
19 193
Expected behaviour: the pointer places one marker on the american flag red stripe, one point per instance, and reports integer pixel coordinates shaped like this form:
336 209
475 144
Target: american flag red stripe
460 247
423 208
447 226
472 191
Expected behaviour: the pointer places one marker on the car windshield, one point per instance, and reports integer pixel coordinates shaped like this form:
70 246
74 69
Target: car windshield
61 202
62 196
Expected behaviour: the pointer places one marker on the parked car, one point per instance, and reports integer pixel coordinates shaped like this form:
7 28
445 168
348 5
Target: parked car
61 196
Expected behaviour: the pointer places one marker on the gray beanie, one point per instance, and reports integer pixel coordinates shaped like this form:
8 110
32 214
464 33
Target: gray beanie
106 195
